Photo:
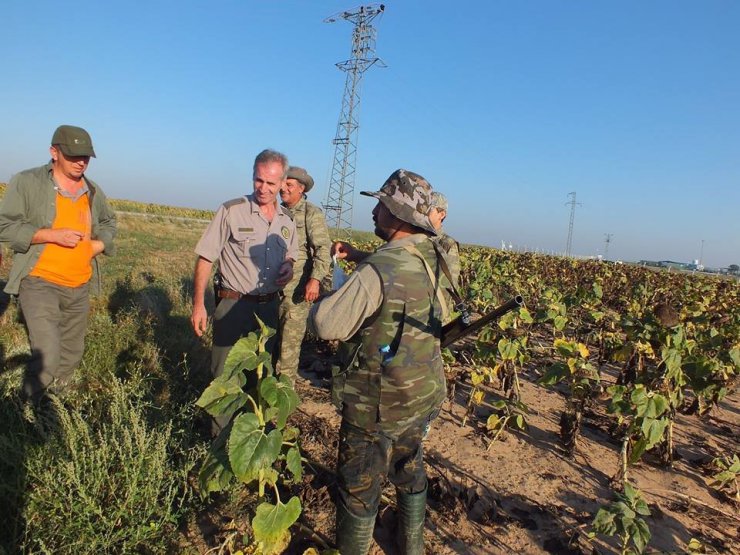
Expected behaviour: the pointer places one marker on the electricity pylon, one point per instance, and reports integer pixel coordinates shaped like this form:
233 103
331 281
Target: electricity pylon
570 227
607 240
339 199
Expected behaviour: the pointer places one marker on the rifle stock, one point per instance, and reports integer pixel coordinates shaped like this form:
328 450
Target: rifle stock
457 329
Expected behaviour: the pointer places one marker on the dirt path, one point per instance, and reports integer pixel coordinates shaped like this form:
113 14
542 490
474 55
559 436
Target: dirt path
523 494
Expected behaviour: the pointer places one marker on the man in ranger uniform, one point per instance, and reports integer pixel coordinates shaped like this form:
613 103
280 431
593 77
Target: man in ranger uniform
391 381
254 240
57 221
311 266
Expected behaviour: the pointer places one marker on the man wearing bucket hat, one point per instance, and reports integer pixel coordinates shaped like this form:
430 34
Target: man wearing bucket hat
390 380
311 266
57 220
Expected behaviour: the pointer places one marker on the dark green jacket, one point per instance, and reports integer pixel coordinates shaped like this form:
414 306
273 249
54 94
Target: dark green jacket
29 204
389 391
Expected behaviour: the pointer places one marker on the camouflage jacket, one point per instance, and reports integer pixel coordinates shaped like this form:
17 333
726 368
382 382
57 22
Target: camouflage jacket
452 248
314 246
391 372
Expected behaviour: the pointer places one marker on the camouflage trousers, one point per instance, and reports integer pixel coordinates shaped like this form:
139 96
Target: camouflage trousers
293 316
367 458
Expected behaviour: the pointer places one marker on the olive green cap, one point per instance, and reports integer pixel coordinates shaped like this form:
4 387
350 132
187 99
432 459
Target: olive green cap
73 141
294 172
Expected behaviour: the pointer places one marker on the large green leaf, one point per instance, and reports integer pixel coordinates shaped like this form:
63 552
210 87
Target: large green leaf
735 356
223 397
293 462
271 525
565 348
604 522
525 315
672 359
214 474
637 450
281 395
653 430
656 405
640 535
507 349
598 291
555 373
242 356
250 449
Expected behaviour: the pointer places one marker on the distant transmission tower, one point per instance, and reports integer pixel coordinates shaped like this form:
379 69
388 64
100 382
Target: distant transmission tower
607 240
342 184
570 227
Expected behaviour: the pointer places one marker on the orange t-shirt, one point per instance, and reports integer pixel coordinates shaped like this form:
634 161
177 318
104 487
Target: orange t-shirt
66 266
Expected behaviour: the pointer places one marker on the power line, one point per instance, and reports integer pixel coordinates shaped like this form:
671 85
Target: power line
339 199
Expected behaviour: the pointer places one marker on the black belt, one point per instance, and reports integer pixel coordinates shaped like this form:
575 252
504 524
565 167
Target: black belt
266 298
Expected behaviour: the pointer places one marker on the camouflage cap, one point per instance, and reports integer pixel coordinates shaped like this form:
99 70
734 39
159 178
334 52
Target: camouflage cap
408 197
439 201
294 172
73 141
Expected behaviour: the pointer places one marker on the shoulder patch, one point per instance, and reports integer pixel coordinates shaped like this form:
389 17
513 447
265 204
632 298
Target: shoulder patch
235 202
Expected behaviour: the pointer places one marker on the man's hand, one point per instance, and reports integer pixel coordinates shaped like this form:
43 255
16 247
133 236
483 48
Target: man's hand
347 252
285 274
312 290
97 247
199 319
64 237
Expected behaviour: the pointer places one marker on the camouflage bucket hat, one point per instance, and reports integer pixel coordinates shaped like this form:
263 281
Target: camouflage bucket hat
301 175
408 197
439 201
73 141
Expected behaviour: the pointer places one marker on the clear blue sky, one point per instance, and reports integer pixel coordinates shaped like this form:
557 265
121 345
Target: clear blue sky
506 106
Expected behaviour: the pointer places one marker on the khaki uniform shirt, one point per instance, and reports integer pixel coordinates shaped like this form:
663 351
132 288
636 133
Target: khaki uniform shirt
249 248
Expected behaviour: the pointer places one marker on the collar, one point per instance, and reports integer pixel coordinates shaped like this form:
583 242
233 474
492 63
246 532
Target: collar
414 239
301 202
254 207
74 196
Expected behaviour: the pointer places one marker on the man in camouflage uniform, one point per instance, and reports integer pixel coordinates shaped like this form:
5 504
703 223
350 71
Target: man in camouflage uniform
437 215
311 266
390 382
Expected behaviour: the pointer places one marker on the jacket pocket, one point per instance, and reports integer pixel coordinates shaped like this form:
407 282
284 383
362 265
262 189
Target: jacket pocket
243 241
348 355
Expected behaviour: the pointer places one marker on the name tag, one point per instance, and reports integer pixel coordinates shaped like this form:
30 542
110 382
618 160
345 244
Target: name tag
246 229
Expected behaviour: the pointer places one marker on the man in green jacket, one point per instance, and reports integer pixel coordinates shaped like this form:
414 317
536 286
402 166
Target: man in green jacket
57 221
390 381
311 267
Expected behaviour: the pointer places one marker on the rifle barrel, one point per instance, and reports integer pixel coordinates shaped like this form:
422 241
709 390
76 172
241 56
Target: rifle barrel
455 330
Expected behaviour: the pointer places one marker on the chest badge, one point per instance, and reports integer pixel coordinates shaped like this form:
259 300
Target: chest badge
285 232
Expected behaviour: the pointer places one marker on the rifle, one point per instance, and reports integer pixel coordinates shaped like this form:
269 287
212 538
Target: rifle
461 326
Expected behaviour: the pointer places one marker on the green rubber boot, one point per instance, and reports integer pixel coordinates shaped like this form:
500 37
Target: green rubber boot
354 533
411 510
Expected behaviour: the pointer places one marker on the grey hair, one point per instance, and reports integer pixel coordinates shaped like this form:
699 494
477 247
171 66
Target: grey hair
268 155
